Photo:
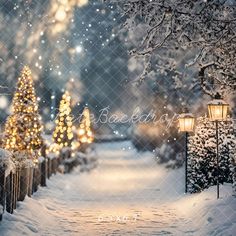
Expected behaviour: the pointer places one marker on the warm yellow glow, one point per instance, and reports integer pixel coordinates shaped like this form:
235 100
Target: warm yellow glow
186 123
218 111
81 132
81 3
60 14
23 128
85 134
63 134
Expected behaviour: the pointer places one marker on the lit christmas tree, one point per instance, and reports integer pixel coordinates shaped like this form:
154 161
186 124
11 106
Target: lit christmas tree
85 134
23 128
63 134
202 168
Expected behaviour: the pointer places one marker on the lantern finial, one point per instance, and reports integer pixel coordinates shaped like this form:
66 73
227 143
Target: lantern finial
218 96
185 110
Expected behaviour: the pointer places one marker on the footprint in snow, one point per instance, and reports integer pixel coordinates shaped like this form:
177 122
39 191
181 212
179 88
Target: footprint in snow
32 228
209 219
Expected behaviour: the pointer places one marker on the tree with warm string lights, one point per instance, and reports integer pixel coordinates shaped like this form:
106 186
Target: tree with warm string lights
63 134
23 128
85 134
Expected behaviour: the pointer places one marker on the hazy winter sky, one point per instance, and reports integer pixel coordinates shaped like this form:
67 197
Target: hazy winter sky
68 44
75 45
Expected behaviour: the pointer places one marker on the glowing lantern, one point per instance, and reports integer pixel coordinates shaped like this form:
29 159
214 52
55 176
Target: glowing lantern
218 108
186 122
218 111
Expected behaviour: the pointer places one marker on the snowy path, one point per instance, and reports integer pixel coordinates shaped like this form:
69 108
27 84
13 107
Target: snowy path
127 194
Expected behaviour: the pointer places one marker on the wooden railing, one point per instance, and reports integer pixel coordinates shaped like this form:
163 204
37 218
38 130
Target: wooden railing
20 182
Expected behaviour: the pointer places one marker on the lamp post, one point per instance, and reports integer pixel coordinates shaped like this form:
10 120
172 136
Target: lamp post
186 125
218 111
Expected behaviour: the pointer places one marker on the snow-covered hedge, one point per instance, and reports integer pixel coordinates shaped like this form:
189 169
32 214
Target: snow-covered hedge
6 162
24 158
234 173
145 136
21 159
165 142
66 153
202 168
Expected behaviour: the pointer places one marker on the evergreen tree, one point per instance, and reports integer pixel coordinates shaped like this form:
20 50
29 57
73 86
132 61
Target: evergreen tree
233 168
227 147
23 128
202 168
63 134
85 134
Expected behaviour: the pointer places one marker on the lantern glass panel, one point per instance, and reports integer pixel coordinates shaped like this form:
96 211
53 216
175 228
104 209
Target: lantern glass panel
218 111
186 124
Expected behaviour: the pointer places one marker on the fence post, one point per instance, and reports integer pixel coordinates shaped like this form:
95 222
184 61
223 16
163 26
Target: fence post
34 182
43 173
43 169
59 161
2 191
38 174
17 183
49 162
9 193
48 168
55 165
24 182
36 177
14 189
30 184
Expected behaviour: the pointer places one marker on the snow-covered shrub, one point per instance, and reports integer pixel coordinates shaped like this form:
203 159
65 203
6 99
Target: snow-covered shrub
234 175
202 168
66 153
177 162
88 159
146 136
24 159
167 143
6 161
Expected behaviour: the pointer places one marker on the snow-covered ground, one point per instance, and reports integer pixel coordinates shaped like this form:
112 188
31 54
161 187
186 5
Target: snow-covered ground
127 194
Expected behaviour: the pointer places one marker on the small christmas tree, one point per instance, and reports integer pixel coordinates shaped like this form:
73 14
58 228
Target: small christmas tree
202 168
63 134
85 134
23 128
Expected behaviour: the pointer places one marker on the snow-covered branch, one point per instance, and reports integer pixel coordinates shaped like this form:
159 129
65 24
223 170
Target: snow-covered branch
208 27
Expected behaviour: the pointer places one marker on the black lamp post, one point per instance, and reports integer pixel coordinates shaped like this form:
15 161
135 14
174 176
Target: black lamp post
186 125
218 111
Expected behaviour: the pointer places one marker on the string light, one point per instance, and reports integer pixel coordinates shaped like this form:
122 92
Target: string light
23 128
63 134
85 134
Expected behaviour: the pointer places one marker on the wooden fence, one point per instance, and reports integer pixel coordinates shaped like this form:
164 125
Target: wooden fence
22 181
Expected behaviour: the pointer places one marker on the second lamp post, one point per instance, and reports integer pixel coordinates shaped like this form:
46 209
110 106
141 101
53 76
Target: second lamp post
186 125
218 111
